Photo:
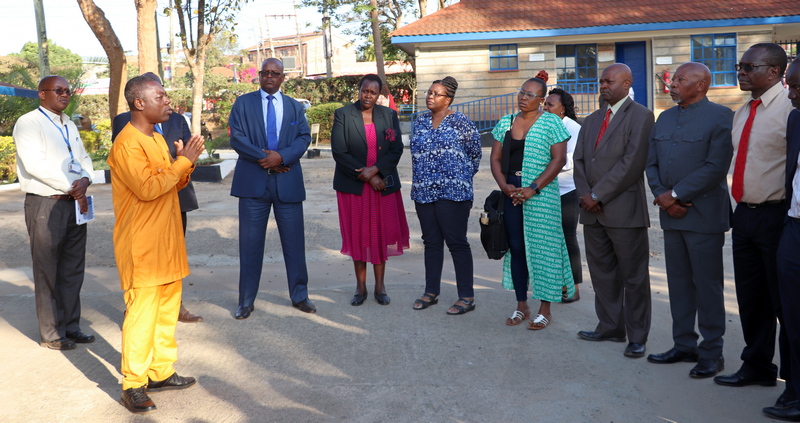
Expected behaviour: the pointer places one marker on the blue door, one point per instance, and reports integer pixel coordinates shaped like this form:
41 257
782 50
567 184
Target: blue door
634 54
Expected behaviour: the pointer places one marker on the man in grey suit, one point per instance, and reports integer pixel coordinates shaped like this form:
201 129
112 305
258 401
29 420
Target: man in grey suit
610 158
687 168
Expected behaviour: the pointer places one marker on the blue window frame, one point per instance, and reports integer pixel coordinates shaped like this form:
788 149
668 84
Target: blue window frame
576 67
718 52
503 57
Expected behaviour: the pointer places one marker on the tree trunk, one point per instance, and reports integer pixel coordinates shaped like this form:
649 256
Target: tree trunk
146 35
442 4
198 76
118 70
423 8
376 38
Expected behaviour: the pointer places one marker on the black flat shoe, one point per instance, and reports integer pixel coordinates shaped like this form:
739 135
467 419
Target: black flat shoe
171 383
358 299
634 350
80 337
243 312
137 401
589 335
707 367
737 379
59 344
788 398
382 299
785 414
572 299
673 356
306 306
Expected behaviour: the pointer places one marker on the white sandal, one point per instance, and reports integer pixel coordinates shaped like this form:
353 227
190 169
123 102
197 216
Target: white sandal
516 318
541 321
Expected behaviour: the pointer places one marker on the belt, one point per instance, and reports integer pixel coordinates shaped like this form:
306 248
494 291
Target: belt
515 173
271 172
766 203
62 197
796 219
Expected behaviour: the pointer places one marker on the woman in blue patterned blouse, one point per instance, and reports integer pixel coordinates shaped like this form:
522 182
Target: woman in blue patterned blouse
445 154
527 176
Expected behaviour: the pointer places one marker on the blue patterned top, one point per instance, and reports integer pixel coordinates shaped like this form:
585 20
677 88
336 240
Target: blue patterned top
444 159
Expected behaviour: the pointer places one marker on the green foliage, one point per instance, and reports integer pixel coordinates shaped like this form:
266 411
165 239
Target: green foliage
98 142
8 160
323 115
343 88
214 144
95 106
60 57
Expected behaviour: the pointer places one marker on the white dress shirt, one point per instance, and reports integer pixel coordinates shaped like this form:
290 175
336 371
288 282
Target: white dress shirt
277 102
566 180
43 158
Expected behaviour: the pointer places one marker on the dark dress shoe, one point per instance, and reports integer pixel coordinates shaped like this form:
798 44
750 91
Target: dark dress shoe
634 350
572 299
707 367
186 317
358 299
738 379
673 356
382 299
785 414
243 312
306 306
589 335
788 398
171 383
137 401
59 344
80 337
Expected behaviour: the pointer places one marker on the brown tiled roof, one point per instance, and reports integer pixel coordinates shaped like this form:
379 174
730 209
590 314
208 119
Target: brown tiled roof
468 16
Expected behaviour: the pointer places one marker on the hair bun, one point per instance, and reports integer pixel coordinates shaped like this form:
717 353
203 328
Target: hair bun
450 83
542 75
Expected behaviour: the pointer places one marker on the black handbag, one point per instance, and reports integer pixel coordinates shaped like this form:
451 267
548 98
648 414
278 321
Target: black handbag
493 229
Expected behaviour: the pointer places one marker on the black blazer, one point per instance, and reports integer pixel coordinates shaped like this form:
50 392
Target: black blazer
792 151
349 147
174 129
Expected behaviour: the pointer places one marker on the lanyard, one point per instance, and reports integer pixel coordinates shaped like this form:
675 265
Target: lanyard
66 137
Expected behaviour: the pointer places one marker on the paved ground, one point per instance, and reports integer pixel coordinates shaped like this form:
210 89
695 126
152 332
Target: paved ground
347 364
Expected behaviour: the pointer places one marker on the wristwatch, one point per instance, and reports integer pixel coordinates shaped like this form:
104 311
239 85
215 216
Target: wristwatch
594 197
535 188
674 195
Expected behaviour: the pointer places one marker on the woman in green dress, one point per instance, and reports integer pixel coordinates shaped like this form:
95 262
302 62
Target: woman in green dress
536 153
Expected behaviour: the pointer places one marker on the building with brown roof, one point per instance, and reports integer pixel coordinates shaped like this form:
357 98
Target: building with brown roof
492 47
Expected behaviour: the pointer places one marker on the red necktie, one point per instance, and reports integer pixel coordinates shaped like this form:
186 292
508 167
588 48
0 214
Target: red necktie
737 188
603 128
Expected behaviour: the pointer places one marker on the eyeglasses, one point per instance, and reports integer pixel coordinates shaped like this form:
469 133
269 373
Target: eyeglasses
435 95
58 91
747 67
269 74
527 94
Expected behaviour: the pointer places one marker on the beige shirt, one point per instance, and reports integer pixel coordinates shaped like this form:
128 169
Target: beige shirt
765 171
42 155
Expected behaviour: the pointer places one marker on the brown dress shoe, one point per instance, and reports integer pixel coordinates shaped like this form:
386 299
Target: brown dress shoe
187 317
137 401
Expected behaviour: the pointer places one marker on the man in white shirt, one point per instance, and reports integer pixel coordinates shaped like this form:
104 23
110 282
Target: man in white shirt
54 170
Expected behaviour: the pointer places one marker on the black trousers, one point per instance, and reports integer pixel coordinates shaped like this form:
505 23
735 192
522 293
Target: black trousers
446 221
789 287
756 232
570 212
58 251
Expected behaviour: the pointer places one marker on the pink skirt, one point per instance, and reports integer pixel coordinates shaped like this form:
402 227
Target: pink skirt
373 226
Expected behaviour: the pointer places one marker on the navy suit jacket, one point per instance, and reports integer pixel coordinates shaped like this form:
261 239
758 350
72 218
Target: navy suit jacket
174 129
349 147
249 139
792 151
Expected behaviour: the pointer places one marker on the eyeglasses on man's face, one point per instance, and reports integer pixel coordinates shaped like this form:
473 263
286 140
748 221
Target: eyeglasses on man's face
527 94
59 91
269 74
748 67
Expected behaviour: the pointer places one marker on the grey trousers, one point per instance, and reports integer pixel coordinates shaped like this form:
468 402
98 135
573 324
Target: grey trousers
58 250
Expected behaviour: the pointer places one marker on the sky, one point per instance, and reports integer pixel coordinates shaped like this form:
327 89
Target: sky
67 28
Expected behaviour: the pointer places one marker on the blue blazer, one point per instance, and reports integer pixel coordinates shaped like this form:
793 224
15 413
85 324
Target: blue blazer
792 151
249 139
174 129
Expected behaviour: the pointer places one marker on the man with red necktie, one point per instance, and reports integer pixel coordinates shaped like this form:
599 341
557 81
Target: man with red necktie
759 140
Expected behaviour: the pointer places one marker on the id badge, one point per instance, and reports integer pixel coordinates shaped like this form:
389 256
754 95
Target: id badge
75 168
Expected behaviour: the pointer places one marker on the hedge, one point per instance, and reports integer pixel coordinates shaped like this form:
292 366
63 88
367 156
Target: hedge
323 115
8 160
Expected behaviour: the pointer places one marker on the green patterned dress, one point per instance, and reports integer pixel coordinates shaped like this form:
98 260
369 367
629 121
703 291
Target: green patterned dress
546 252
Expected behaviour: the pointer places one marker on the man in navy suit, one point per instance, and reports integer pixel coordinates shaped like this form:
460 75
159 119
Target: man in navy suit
270 133
687 168
788 259
174 129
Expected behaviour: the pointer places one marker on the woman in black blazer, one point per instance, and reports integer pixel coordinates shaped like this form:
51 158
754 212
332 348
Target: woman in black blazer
366 146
